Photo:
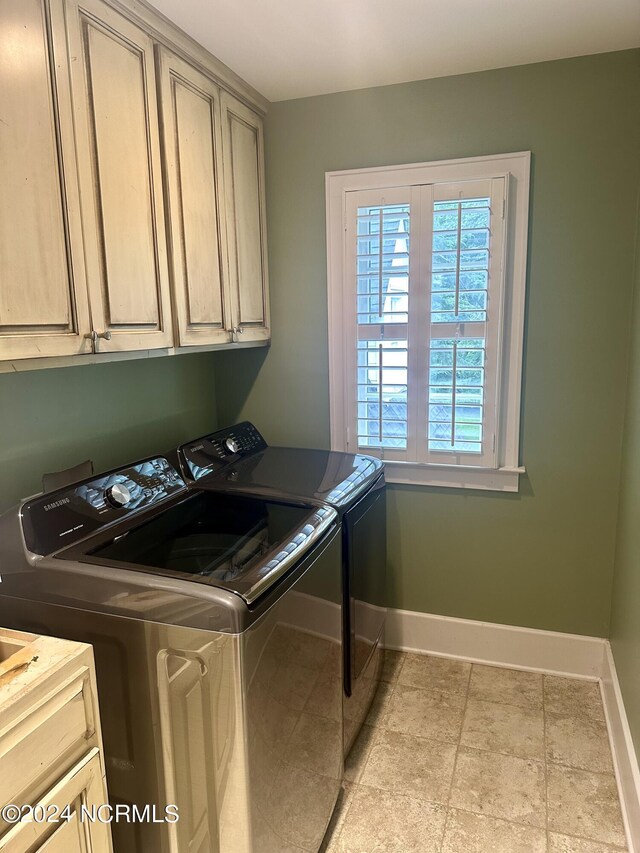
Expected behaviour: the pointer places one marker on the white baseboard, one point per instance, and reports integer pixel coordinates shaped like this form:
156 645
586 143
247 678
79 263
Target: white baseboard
541 651
624 755
498 645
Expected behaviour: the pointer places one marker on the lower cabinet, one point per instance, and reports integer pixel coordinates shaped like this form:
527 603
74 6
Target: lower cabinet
77 797
51 759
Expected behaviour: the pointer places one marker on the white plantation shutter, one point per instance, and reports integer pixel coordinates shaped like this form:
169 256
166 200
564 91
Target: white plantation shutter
426 310
465 320
425 266
380 241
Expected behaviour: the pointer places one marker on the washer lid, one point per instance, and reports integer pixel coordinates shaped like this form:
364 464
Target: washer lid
326 476
238 459
240 544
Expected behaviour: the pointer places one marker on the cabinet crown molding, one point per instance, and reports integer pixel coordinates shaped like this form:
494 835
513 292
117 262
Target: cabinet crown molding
165 32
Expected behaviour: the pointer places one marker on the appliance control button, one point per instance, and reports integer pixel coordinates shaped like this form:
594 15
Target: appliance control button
117 495
231 444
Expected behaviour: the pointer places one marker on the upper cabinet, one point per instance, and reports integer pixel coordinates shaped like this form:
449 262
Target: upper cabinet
213 153
133 212
245 210
43 299
192 146
115 99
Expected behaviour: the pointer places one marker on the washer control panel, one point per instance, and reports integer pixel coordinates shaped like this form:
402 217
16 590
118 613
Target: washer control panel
61 518
211 453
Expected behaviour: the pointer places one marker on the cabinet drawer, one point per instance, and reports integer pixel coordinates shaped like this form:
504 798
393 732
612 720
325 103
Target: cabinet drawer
45 741
83 785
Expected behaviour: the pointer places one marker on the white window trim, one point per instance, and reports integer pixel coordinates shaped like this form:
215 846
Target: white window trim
515 168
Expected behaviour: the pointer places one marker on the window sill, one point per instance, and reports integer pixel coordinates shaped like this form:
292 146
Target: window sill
454 476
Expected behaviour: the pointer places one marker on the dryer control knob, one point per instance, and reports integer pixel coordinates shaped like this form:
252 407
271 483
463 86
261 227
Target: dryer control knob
117 495
232 445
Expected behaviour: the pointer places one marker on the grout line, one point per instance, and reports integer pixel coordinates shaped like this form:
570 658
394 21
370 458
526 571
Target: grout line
508 820
606 845
581 769
546 763
455 760
374 739
385 709
505 754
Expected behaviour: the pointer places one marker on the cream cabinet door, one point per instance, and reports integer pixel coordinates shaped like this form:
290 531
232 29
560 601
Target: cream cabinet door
114 89
246 233
43 302
192 149
82 786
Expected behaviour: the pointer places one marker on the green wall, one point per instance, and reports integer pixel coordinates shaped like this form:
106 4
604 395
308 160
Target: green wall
113 413
625 610
544 557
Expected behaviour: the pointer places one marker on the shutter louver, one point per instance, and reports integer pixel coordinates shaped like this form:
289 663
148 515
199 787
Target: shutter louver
459 295
382 259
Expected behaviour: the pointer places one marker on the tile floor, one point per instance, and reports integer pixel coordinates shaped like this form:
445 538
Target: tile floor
461 758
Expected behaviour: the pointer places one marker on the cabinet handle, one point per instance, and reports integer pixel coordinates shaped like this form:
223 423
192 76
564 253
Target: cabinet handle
235 331
94 337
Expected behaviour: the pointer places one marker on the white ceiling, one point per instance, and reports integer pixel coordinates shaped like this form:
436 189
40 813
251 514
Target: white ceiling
294 48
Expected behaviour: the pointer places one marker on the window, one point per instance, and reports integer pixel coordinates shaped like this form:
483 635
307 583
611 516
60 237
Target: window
426 307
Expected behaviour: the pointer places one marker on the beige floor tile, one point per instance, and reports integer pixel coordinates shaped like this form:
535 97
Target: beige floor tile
433 673
506 686
292 685
571 697
425 713
275 722
299 804
336 823
578 741
410 765
380 704
357 758
266 836
349 730
289 644
316 745
472 833
501 786
565 844
392 664
334 662
383 822
326 697
504 728
584 804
